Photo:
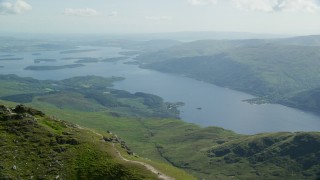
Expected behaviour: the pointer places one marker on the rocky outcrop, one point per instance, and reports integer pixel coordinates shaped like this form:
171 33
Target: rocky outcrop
19 112
23 109
116 139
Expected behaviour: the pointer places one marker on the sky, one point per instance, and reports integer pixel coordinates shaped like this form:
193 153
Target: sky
300 17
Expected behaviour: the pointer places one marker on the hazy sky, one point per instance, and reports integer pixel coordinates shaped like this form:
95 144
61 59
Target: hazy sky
146 16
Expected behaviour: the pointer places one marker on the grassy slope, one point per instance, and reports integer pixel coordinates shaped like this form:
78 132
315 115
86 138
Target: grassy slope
40 147
76 108
198 150
270 156
130 130
190 147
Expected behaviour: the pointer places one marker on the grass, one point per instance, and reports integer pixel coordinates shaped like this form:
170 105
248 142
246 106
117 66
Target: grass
171 171
71 100
189 147
206 153
40 147
89 93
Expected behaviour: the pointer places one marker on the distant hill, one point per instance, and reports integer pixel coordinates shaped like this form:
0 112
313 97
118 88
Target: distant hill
196 48
312 40
273 69
198 35
307 100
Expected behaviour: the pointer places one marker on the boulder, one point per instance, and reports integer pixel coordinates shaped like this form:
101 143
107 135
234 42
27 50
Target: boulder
20 109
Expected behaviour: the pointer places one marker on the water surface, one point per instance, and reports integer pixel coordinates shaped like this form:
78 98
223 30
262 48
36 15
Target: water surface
205 104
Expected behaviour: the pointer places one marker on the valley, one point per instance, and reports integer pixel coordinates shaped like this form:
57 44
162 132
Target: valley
212 100
159 115
160 90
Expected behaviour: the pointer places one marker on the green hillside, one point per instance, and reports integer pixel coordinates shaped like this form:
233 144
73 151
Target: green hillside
273 70
210 153
269 156
206 153
307 100
34 146
89 93
83 100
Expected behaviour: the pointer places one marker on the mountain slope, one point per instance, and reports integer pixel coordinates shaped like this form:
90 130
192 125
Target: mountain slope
38 147
273 70
307 100
215 153
207 153
210 153
270 156
262 70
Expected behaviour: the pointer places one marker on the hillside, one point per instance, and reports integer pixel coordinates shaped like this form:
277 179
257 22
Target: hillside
275 151
210 153
217 153
208 47
273 70
312 40
269 156
61 150
260 70
36 146
88 94
307 100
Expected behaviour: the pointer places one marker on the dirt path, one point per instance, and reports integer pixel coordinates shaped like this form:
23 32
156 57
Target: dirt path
148 166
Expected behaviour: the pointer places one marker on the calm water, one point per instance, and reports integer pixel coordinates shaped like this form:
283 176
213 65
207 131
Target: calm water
219 106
